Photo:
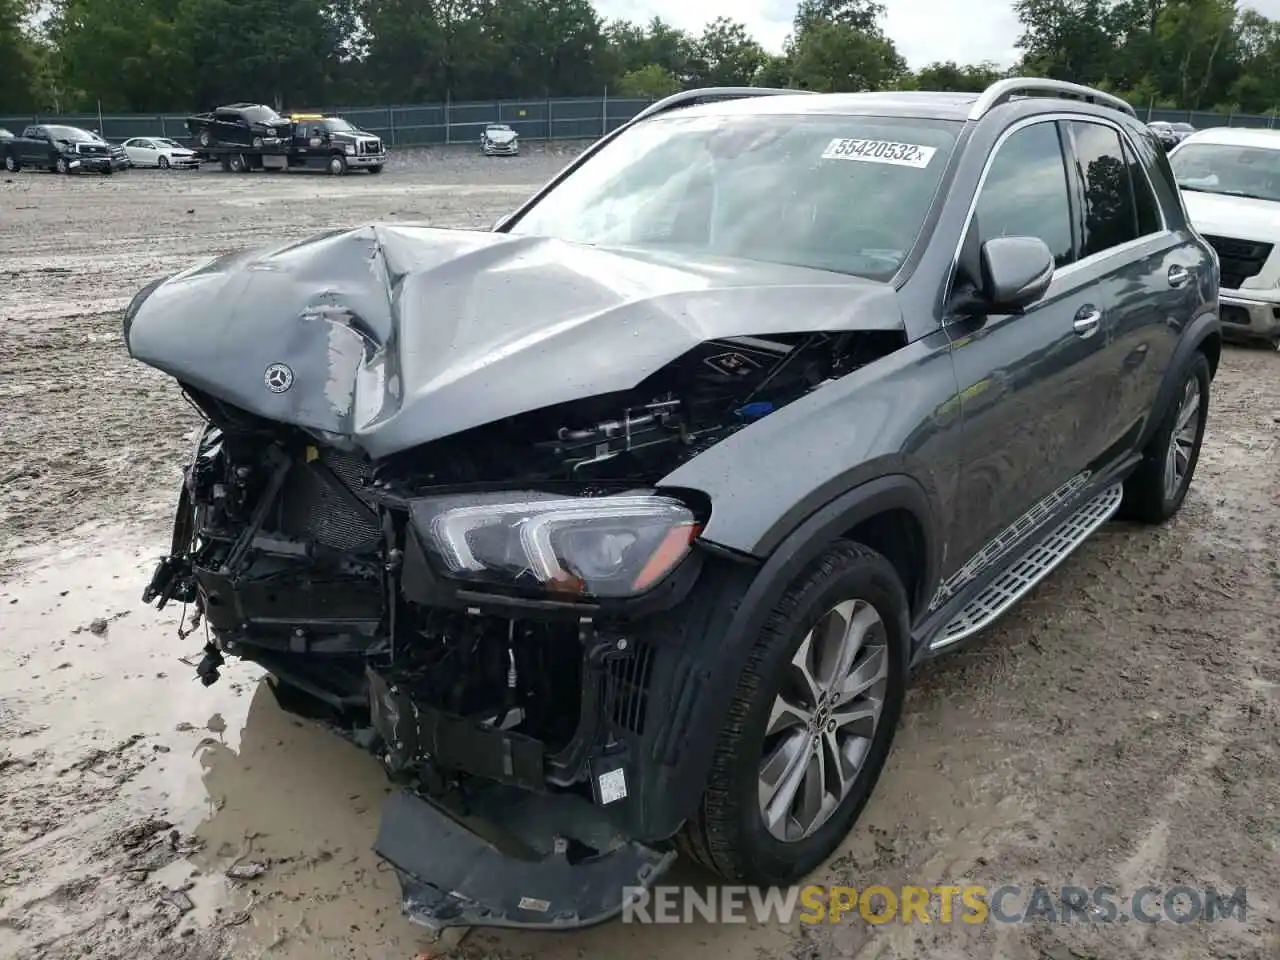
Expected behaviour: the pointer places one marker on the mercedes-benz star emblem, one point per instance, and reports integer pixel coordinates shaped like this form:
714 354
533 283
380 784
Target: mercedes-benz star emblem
278 378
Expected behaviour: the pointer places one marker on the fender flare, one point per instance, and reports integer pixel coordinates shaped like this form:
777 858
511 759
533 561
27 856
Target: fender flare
1205 326
689 748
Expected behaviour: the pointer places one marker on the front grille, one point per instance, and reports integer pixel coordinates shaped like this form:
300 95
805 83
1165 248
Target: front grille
314 508
1239 259
371 146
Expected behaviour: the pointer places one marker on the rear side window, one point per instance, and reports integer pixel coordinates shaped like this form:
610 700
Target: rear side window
1026 194
1145 202
1112 213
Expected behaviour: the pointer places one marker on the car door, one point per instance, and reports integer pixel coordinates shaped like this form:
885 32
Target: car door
144 153
1029 433
229 127
35 147
1150 274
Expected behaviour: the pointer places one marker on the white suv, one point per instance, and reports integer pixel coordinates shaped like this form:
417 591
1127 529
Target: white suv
1230 180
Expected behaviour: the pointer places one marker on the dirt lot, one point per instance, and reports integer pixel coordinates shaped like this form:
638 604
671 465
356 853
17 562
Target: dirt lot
1121 728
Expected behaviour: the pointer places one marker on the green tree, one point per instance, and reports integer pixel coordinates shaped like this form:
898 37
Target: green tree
651 81
831 57
19 57
859 14
726 55
972 78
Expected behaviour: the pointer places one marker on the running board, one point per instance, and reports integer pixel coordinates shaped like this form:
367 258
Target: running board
1012 585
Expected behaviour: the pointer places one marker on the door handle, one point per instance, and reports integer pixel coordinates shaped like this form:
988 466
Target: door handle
1178 275
1087 320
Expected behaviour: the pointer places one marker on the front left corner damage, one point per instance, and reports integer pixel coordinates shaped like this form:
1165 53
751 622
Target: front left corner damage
452 876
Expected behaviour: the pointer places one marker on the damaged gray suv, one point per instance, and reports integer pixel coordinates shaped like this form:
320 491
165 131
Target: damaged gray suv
616 532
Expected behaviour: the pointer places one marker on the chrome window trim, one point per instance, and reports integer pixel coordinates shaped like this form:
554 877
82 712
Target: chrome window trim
1083 262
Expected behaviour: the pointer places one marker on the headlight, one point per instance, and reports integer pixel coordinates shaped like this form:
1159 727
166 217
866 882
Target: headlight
613 546
350 148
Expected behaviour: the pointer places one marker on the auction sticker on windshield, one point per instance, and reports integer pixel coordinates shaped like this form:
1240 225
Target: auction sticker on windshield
879 151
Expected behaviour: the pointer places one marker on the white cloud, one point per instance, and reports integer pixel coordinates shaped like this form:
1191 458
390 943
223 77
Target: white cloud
924 30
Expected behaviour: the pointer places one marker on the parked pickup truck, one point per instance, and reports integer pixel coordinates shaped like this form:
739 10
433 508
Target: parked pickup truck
62 149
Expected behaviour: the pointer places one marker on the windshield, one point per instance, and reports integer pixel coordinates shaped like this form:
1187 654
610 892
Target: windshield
259 114
1183 127
498 128
73 134
166 142
847 194
1229 169
338 124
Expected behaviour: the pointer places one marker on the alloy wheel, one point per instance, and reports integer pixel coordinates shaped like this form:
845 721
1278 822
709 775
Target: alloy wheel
1182 441
823 720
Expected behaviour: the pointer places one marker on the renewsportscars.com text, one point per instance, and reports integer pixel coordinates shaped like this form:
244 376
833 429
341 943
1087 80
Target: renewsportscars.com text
968 904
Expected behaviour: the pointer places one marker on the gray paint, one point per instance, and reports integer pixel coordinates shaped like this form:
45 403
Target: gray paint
399 335
988 415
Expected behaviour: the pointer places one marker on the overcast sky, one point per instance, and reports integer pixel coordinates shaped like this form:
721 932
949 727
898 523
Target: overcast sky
924 30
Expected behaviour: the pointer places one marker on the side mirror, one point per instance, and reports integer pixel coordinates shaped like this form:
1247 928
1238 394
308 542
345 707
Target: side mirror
1016 272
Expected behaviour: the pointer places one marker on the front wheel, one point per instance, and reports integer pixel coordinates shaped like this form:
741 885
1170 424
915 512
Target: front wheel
204 138
11 163
337 165
810 723
62 166
164 163
239 163
1155 490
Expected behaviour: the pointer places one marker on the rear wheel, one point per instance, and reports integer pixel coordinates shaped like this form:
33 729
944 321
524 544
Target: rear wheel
11 163
810 724
238 163
1154 492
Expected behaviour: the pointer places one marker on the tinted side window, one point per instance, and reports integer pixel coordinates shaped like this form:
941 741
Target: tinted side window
1025 193
1110 218
1148 207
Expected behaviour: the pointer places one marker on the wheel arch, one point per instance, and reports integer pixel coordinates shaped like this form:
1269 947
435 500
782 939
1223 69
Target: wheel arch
1202 335
893 512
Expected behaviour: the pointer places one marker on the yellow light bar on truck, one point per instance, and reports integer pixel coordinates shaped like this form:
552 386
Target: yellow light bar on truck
306 116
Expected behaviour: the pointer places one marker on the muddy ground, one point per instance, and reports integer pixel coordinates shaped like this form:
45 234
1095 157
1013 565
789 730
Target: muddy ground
1122 727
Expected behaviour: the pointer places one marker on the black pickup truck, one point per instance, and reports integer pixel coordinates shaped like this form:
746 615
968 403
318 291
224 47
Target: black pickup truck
62 149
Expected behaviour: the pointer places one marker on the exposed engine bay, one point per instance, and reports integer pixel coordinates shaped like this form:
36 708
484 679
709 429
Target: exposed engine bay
295 549
482 642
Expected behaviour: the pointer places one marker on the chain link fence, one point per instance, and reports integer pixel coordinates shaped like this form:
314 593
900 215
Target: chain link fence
400 126
546 119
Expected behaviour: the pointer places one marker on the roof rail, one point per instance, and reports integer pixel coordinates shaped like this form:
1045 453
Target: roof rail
1002 91
687 98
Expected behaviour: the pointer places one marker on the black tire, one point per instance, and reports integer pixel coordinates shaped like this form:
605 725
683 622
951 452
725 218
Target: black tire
163 163
61 166
1147 498
11 163
336 165
204 138
376 168
728 833
238 163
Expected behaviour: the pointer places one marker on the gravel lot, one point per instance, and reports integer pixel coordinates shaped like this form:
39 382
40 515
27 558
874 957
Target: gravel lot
1122 727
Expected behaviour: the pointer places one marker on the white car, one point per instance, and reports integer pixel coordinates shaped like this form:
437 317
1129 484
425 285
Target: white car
1230 183
498 139
160 152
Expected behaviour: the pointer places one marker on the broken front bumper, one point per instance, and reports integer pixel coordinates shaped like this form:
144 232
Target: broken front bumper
524 873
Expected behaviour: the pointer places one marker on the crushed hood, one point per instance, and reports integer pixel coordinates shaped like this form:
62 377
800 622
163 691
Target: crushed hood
390 336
